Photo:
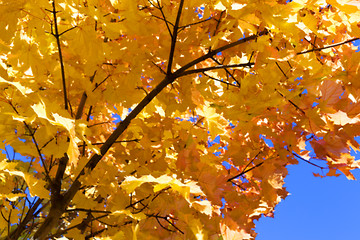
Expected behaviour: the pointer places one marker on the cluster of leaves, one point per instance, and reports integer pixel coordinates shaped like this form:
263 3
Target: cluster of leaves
177 73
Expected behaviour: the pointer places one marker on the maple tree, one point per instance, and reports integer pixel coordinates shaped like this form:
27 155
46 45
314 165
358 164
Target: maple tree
267 78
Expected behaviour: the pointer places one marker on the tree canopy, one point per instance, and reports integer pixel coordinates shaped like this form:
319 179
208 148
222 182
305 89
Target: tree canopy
109 110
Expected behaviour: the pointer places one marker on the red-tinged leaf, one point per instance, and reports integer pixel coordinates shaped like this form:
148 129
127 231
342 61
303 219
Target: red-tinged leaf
330 92
332 172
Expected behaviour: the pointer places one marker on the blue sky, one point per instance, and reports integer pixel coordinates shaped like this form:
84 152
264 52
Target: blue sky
318 208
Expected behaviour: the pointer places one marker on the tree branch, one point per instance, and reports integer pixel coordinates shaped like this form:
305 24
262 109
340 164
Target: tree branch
22 226
174 38
219 80
227 71
291 102
215 51
199 70
192 24
164 19
83 101
326 47
243 172
57 36
305 160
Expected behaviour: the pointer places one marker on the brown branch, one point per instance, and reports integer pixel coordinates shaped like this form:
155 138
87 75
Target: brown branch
330 46
121 141
87 210
247 165
243 172
95 233
9 221
45 144
22 226
307 161
132 205
161 70
97 85
80 109
167 218
199 70
166 21
57 36
56 187
83 101
192 24
227 71
215 51
281 70
67 30
291 102
174 38
79 225
218 22
219 80
32 134
58 208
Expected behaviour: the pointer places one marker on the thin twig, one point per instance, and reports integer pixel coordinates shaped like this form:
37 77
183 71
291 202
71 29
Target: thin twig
227 71
291 102
307 161
23 224
87 210
243 172
161 70
219 80
98 84
57 36
326 47
281 70
216 51
199 70
166 21
192 24
174 38
67 30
